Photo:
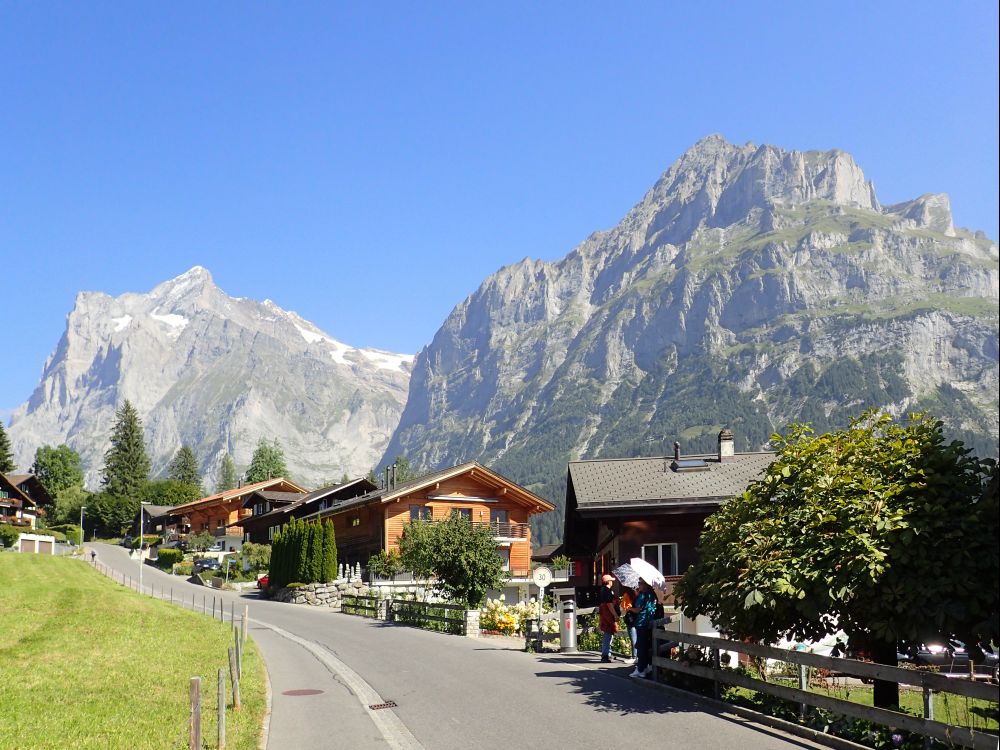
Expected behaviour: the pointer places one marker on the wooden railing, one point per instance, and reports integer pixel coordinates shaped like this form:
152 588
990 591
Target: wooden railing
929 682
355 604
445 618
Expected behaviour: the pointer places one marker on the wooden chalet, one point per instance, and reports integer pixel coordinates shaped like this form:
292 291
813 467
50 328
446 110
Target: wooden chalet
216 513
270 510
653 508
374 521
20 498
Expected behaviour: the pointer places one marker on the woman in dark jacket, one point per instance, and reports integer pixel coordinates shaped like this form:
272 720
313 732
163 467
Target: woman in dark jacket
644 610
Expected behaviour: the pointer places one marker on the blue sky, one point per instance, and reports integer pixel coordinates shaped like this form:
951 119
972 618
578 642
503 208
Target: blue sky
368 165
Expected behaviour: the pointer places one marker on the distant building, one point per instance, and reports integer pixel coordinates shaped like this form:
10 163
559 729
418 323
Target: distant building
20 498
653 508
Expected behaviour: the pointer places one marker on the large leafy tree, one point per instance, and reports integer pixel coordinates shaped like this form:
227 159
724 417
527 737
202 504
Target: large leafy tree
170 492
462 557
227 474
7 464
126 465
268 462
58 468
882 530
184 468
68 504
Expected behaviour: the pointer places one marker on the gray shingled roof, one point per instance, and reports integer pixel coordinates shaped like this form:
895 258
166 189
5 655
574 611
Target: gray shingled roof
623 482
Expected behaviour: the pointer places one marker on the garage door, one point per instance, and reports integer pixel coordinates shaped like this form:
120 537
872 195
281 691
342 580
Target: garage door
45 548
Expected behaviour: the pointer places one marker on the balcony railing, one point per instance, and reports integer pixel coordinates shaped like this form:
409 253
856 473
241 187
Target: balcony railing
501 530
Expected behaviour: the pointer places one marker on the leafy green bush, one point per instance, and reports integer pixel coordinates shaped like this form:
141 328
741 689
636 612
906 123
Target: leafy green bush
303 552
167 558
183 568
69 531
9 535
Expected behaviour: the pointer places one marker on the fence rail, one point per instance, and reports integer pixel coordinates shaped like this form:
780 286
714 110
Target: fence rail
929 682
445 618
363 606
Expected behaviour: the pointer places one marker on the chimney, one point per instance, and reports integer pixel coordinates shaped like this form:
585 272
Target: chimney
392 476
726 445
677 451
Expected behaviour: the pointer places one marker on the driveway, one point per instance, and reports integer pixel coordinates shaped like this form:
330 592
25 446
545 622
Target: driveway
448 691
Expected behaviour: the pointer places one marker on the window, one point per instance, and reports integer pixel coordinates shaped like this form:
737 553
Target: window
498 516
420 513
504 554
465 513
219 524
662 556
356 521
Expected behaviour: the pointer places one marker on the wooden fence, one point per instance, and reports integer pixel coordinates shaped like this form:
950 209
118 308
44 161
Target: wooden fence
445 618
929 682
363 606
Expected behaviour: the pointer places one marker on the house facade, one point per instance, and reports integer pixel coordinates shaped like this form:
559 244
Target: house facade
653 508
20 497
370 523
215 514
270 510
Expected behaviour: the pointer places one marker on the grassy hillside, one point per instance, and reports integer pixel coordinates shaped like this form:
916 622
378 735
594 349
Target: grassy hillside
85 663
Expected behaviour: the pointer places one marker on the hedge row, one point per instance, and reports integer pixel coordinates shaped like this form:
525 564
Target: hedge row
303 553
166 558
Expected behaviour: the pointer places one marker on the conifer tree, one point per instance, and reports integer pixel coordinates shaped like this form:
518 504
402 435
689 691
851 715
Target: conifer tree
329 552
268 462
184 468
126 465
317 549
7 464
227 474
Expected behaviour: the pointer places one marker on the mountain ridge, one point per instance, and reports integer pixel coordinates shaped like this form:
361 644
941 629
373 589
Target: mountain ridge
740 269
214 372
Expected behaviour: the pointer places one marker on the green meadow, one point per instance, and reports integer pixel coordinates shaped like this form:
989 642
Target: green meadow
86 663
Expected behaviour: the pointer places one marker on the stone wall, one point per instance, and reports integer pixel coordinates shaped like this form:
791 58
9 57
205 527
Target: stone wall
327 595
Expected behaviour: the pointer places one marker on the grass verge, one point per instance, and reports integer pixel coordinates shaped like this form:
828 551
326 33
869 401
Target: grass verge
85 663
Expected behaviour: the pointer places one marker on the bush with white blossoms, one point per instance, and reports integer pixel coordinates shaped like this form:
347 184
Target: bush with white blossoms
512 619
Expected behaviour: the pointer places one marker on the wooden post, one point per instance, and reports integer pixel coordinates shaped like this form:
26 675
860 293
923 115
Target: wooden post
192 602
928 713
246 616
213 607
222 709
171 594
716 666
194 741
239 650
204 604
803 684
232 611
234 677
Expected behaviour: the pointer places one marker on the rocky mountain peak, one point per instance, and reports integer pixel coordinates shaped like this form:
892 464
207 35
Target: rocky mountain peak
216 373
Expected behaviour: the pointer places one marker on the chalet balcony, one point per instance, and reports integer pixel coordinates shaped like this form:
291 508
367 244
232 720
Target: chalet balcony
503 531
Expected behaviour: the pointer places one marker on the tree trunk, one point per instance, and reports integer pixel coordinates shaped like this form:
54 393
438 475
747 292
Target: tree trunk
886 693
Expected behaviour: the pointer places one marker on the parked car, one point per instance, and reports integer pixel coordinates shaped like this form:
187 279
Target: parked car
262 581
217 547
947 658
205 564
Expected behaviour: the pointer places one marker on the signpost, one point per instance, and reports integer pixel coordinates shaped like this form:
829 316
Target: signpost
542 577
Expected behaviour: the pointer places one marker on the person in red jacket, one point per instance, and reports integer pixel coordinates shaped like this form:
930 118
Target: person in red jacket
607 615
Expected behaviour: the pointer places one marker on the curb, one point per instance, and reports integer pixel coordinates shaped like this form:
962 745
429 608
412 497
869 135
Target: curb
265 725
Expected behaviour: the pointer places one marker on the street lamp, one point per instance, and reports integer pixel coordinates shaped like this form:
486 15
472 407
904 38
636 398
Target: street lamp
82 508
142 518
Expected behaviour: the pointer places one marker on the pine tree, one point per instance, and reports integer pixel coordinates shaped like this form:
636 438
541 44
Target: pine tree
268 462
329 552
7 464
227 474
126 465
184 468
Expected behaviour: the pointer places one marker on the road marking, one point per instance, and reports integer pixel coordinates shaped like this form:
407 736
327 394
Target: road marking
391 727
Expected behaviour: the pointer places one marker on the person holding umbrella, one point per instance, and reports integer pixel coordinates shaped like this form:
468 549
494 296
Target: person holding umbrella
607 611
644 610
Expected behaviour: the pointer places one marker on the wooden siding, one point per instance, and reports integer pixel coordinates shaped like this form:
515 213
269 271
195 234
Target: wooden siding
684 530
380 526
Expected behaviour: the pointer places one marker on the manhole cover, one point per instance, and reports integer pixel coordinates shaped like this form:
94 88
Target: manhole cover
302 691
379 706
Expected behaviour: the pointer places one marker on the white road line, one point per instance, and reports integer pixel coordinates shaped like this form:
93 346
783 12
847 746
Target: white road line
392 728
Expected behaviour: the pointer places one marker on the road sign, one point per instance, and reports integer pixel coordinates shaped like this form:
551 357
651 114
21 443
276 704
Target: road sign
542 577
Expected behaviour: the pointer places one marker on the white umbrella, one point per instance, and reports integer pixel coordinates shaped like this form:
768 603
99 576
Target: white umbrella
650 575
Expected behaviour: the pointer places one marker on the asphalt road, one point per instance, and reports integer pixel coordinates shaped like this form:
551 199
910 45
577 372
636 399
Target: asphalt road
450 692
